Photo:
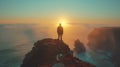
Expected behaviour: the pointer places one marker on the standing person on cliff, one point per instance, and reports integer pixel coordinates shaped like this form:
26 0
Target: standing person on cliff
60 32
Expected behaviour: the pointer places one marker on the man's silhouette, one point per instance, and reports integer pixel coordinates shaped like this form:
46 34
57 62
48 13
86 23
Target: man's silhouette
60 32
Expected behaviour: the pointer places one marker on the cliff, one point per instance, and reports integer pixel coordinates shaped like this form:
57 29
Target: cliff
52 53
105 44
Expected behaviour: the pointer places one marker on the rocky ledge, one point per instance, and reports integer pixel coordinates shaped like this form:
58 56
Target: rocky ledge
52 53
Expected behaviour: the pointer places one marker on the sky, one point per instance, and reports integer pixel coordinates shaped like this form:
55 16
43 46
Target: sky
80 15
75 11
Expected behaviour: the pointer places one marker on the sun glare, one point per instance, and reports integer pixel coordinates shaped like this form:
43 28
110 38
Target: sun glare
63 22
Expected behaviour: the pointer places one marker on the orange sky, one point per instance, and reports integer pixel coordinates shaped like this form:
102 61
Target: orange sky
55 20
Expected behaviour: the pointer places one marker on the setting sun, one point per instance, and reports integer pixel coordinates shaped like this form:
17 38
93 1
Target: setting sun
63 22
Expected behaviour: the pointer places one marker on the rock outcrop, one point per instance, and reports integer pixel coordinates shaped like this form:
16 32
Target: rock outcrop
79 47
105 41
52 53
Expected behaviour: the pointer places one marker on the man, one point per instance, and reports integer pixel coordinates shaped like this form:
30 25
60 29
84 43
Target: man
60 32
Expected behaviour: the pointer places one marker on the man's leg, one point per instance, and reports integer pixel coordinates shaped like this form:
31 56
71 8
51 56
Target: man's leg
58 37
61 37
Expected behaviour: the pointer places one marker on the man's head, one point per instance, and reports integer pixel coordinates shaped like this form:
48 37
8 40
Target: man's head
60 24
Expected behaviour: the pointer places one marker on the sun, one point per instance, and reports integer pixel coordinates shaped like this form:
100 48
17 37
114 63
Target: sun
63 22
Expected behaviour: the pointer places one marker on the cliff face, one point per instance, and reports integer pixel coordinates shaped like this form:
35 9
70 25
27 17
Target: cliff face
79 47
102 38
52 53
105 41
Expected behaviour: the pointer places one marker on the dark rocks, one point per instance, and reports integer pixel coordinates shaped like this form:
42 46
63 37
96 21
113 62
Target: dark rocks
101 38
50 53
79 47
106 41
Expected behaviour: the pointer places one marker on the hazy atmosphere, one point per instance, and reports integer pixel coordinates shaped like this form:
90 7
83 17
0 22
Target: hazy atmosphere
24 22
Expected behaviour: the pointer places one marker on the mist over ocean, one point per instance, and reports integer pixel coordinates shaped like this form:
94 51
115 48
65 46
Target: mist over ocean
94 24
17 39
